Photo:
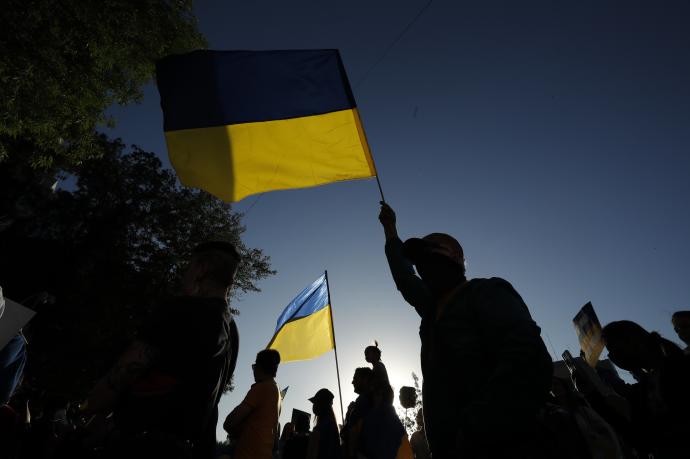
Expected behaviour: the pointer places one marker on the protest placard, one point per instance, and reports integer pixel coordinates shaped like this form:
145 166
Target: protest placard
588 331
14 317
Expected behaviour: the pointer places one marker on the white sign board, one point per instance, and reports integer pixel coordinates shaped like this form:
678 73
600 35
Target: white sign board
13 319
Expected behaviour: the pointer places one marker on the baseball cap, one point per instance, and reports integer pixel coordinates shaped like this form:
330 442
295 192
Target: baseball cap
324 395
435 243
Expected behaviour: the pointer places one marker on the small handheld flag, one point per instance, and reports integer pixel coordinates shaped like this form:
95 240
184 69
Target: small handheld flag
239 123
282 398
304 329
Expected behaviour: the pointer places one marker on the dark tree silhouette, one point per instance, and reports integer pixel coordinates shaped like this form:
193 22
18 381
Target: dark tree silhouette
64 62
107 248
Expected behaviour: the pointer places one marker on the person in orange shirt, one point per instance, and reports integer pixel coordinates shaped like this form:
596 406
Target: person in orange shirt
253 424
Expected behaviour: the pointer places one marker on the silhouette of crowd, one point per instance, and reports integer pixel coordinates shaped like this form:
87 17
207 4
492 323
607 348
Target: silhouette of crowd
490 388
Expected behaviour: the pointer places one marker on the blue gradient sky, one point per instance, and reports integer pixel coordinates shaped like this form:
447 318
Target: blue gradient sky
551 138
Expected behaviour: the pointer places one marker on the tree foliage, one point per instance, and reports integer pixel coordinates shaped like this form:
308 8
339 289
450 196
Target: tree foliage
107 248
409 416
64 62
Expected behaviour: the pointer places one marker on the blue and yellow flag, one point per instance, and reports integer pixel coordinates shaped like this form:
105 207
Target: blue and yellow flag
304 330
244 122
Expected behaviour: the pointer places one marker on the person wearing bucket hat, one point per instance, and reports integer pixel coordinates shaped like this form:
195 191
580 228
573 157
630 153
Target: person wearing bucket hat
324 441
486 369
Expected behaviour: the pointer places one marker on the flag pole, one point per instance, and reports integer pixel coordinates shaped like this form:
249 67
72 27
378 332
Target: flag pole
378 182
335 348
367 150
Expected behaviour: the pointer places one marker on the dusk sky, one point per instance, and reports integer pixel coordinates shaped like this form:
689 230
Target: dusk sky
551 138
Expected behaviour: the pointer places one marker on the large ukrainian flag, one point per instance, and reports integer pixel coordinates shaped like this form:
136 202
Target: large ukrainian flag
304 330
244 122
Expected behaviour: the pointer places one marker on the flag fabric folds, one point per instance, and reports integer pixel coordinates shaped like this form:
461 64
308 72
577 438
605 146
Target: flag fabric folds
239 123
304 329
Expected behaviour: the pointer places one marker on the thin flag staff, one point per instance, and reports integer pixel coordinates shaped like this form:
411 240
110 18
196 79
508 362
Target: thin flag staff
238 123
305 327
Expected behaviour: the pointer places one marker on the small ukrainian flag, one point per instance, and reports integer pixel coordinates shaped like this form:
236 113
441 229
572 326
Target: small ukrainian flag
305 329
239 123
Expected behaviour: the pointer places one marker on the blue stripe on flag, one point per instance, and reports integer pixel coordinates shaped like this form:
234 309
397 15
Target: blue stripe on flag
310 300
207 88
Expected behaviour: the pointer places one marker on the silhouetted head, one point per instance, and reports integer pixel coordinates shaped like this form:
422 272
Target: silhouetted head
323 404
322 397
681 324
361 381
633 348
372 354
439 260
266 365
627 344
211 269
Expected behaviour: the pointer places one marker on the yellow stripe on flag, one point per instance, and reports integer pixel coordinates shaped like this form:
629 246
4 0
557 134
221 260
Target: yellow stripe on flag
238 160
305 338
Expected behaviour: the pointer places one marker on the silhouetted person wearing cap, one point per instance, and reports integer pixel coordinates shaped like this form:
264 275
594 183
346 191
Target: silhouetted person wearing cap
166 387
324 441
486 369
254 422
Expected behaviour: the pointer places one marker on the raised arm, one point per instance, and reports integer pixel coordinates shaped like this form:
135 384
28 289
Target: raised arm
408 283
